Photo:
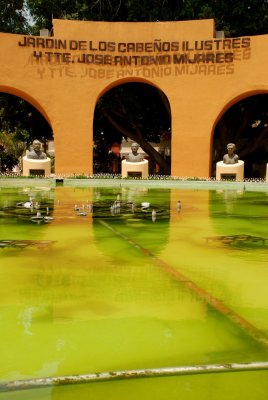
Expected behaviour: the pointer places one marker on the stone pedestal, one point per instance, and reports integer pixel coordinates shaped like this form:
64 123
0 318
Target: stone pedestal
230 171
134 169
36 167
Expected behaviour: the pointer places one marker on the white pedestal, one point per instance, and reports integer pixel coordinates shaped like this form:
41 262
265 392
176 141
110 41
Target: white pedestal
36 167
225 171
134 169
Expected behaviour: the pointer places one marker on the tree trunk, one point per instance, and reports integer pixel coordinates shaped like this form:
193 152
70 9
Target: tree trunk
136 135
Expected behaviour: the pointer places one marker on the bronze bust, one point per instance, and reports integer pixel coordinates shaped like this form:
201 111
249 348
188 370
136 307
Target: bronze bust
134 156
36 153
230 157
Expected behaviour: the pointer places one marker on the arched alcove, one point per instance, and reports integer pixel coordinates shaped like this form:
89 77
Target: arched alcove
22 120
132 111
245 123
26 97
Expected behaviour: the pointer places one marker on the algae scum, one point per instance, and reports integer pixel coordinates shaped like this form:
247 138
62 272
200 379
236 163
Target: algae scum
120 279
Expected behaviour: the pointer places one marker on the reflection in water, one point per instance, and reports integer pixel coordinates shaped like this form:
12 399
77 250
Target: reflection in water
25 319
138 288
241 210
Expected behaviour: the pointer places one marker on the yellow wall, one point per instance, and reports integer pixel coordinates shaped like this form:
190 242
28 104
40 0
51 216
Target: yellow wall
66 91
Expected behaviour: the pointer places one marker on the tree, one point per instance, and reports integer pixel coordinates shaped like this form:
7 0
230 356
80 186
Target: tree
13 18
136 111
11 151
20 123
235 18
43 12
17 115
246 125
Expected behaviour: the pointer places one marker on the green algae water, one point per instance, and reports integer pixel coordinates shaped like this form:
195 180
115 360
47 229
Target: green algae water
109 279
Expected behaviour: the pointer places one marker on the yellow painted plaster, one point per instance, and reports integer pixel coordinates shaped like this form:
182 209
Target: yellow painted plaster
66 91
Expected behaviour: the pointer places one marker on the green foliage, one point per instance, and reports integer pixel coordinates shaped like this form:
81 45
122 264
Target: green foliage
246 125
240 18
136 111
20 118
20 123
134 106
12 17
7 160
11 150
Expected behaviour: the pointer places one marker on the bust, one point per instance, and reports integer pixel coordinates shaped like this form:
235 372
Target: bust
230 157
134 156
36 153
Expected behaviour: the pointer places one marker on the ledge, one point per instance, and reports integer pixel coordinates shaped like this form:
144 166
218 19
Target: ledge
153 183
